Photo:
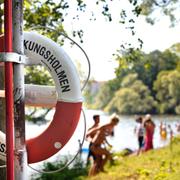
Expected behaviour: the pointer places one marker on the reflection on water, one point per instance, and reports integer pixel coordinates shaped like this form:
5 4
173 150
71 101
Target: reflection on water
124 131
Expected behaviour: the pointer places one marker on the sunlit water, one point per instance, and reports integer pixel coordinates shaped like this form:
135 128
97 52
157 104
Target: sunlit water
124 136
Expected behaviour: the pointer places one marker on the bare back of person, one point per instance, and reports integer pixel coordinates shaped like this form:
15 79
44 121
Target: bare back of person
100 152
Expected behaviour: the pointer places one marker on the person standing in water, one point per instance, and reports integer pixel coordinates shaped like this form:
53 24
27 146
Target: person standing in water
163 131
139 130
102 155
90 136
149 132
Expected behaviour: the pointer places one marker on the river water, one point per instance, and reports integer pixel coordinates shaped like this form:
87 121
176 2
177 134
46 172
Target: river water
124 132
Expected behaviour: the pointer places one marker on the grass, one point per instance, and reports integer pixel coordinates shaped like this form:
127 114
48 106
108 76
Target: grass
158 164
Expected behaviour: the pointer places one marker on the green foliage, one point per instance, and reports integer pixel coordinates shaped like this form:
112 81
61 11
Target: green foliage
175 48
168 8
167 86
46 14
147 66
106 93
133 97
36 115
37 75
74 172
133 89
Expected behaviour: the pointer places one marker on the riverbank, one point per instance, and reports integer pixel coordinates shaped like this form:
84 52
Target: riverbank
158 164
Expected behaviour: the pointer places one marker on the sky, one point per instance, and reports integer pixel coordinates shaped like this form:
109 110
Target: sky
101 39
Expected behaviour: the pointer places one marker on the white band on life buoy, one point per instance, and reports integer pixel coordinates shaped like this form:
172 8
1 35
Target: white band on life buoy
42 50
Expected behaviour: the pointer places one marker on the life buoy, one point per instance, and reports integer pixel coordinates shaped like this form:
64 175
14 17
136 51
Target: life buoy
42 50
2 146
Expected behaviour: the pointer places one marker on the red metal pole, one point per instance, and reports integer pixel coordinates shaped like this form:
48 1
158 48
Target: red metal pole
9 91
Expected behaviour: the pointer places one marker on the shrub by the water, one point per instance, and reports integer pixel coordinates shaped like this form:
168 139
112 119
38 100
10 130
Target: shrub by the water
72 172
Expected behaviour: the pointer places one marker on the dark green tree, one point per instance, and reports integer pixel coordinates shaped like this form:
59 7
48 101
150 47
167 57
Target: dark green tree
168 95
133 97
147 66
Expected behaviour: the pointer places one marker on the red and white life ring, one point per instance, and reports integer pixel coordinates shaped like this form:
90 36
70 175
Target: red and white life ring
42 50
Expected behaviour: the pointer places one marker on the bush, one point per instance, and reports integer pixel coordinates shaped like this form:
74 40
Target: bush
72 172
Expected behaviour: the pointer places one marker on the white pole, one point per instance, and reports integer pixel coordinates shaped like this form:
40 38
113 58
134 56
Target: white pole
19 104
43 96
38 95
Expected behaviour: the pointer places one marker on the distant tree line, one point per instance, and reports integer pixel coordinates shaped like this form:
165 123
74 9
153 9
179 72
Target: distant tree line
144 83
